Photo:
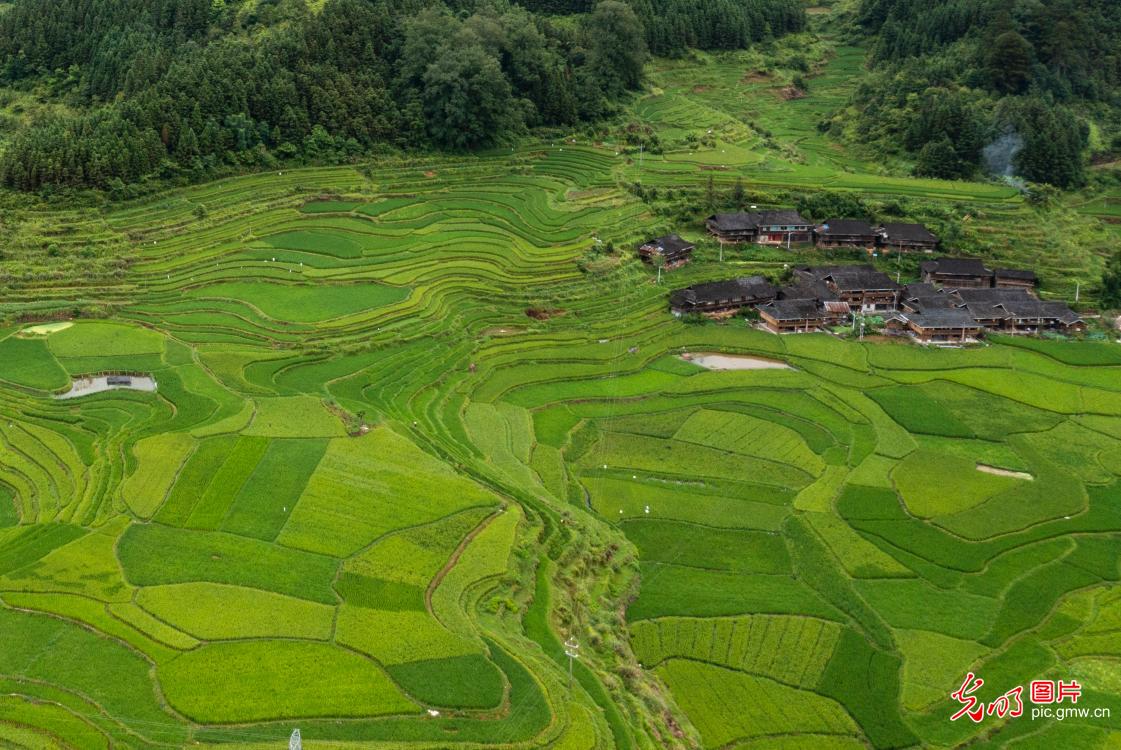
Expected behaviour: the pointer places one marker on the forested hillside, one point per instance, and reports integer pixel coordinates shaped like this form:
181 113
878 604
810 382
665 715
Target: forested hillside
130 89
189 85
1007 86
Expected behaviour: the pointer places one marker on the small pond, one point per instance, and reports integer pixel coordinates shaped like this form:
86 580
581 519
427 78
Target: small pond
717 361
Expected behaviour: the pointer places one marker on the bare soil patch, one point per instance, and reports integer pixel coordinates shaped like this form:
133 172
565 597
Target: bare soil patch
544 313
997 471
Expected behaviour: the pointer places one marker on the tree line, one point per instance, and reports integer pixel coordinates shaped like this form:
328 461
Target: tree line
971 85
167 87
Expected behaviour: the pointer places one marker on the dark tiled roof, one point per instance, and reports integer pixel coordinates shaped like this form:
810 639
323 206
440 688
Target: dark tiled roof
919 289
984 311
1015 273
907 233
845 227
669 244
785 217
737 222
953 317
749 287
1066 315
930 302
991 296
1038 309
957 267
746 222
792 309
860 278
820 272
808 289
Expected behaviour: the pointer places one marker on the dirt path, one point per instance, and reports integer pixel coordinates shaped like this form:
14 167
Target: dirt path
439 577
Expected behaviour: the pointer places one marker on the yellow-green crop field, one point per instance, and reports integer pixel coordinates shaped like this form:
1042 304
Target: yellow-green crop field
371 496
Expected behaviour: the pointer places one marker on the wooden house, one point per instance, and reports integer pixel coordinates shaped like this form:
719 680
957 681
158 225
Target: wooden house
764 227
782 228
915 302
918 289
845 233
733 228
836 311
1014 278
966 295
792 315
862 287
957 273
982 303
947 325
906 238
1034 316
807 288
672 248
986 314
720 297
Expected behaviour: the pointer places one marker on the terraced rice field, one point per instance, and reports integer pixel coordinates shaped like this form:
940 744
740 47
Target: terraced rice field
372 496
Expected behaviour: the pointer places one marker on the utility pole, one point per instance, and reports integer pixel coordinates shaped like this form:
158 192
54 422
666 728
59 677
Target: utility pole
1077 290
572 651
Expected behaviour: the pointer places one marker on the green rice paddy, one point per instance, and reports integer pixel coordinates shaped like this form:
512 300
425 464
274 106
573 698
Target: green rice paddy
371 496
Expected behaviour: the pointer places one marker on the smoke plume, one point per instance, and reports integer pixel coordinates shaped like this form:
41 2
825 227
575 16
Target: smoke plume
1000 154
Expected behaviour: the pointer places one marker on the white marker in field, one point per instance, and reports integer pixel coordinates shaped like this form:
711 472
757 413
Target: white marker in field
295 742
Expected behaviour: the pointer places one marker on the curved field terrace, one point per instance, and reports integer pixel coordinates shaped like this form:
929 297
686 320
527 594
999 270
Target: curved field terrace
373 497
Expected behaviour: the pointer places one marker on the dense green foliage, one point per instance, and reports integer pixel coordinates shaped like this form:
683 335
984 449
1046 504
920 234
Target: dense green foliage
1111 282
187 86
951 76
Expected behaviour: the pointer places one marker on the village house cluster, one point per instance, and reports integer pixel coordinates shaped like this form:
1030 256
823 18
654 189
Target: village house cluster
957 299
786 227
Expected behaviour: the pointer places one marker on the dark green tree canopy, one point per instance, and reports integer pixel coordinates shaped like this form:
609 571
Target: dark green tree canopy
616 46
466 98
1009 63
187 86
1111 282
968 71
